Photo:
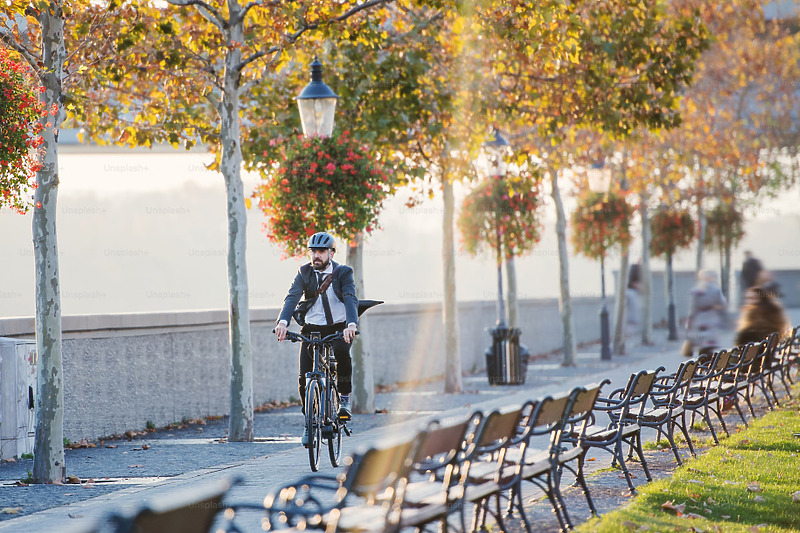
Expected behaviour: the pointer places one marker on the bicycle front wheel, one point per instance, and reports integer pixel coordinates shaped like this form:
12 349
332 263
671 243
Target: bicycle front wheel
335 438
313 422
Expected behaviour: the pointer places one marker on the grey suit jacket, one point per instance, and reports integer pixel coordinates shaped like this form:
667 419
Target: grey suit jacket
305 285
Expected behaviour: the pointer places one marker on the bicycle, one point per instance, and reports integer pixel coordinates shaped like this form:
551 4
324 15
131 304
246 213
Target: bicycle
322 399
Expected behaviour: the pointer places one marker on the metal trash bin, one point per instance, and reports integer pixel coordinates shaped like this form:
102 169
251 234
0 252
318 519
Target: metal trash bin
506 360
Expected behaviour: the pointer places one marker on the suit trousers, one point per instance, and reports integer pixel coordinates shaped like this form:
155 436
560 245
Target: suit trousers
341 352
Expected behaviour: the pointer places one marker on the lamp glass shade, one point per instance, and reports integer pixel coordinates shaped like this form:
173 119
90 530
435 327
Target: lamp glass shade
599 178
316 115
492 159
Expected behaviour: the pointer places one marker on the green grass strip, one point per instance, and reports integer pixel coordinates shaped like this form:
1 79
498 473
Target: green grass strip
746 483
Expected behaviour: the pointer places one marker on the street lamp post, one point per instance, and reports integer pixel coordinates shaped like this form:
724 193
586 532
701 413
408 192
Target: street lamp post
504 359
493 165
317 105
599 182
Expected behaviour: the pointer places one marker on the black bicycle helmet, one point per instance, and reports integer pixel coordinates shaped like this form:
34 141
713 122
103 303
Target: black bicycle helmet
322 240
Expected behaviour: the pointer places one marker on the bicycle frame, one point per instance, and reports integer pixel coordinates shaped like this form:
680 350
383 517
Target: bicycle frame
321 372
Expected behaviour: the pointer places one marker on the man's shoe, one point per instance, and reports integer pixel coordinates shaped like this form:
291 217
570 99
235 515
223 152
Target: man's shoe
344 409
304 438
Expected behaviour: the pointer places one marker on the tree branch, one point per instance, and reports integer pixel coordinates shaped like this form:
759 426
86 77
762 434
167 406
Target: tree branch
30 58
291 39
211 14
251 5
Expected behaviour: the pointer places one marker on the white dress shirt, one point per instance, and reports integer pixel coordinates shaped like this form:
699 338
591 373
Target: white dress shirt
316 314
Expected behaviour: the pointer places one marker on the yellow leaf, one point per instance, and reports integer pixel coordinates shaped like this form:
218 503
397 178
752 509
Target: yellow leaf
248 203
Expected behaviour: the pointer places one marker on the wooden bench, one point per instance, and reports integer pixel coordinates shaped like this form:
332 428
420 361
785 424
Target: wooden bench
669 396
364 497
623 407
187 511
436 483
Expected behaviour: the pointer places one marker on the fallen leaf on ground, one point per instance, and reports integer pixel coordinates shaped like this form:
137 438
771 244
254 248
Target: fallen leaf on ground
590 459
21 484
74 515
10 510
73 479
135 466
82 444
677 509
796 496
696 529
111 445
754 487
759 499
145 446
711 500
725 516
692 516
696 481
630 525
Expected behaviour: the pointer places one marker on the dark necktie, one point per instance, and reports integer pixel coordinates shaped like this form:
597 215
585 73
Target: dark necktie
326 305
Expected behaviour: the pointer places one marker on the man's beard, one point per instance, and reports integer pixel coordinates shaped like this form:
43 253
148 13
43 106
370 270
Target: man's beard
320 265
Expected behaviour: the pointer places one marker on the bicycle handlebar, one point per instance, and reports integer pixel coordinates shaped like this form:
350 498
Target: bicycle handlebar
297 337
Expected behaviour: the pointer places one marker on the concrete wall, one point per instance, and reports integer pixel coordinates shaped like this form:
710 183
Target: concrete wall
124 370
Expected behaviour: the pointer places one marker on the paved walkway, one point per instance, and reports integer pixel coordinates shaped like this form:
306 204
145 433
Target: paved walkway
118 475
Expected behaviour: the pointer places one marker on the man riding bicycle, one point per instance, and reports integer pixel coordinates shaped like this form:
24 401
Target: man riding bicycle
334 309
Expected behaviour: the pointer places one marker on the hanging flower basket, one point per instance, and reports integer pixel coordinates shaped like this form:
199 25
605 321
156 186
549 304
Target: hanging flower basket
724 227
320 184
21 111
601 221
505 206
670 230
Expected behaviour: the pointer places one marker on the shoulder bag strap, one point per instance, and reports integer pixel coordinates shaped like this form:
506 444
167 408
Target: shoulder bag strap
326 283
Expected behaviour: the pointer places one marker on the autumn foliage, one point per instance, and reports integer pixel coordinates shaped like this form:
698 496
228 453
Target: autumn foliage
320 184
670 230
20 110
601 221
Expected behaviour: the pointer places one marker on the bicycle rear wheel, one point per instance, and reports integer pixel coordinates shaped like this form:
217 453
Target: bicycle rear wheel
313 422
335 438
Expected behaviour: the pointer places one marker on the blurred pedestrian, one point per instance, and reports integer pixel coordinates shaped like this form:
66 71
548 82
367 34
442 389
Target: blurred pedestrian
762 315
706 314
751 268
633 302
766 281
